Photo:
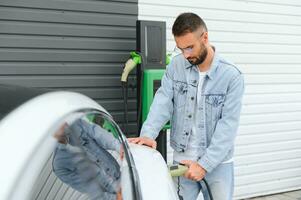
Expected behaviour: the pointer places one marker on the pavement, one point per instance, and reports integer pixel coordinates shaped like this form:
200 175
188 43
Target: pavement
294 195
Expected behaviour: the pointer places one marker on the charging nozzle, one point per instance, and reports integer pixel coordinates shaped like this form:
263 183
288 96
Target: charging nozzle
177 170
130 65
180 170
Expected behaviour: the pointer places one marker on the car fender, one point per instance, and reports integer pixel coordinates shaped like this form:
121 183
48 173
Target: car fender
155 180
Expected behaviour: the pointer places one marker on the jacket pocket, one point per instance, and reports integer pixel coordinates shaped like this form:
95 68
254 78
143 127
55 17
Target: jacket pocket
214 105
180 93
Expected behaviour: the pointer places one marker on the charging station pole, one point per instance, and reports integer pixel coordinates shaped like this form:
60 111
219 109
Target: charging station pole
151 83
151 43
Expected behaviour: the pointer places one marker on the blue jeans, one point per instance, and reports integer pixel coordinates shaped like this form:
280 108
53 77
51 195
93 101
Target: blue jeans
220 181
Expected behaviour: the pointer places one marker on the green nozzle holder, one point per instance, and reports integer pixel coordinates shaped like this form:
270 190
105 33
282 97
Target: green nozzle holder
136 57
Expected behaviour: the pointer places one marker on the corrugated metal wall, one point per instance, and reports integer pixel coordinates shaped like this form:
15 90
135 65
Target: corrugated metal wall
50 187
70 44
264 39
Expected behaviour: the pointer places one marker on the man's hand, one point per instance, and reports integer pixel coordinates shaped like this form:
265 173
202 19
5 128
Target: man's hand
195 171
121 153
144 141
119 195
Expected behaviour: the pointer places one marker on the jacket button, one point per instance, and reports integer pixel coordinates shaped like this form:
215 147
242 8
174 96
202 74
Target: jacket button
187 133
192 98
97 161
194 81
189 116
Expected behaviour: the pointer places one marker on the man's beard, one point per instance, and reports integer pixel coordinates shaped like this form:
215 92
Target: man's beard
200 59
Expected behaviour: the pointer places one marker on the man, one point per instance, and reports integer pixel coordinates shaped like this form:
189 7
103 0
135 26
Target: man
201 94
82 161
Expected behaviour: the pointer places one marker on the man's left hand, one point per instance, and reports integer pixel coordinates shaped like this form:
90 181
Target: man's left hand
195 171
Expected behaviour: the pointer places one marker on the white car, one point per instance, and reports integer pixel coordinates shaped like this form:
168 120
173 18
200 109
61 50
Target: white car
30 123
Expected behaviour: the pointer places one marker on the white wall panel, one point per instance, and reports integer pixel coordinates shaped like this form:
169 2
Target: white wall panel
264 39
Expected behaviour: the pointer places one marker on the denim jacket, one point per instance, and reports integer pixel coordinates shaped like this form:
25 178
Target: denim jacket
85 164
217 116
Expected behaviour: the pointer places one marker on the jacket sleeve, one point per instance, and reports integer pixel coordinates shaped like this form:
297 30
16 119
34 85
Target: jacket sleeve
162 107
77 171
223 137
90 187
102 137
105 138
65 170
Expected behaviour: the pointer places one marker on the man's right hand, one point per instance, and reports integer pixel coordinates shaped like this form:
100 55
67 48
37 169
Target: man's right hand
144 141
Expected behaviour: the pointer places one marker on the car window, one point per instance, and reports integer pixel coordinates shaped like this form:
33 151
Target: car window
90 161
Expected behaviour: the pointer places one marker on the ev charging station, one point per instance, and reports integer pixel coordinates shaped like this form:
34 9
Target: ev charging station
151 43
151 60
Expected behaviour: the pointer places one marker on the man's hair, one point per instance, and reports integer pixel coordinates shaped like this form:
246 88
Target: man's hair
187 23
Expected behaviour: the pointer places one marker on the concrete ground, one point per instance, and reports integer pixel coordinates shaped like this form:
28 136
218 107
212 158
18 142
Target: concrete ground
294 195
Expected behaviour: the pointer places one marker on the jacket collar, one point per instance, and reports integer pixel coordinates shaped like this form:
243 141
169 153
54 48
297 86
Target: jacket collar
214 65
213 68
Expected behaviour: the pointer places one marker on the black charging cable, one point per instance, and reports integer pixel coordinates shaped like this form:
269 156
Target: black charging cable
124 85
125 103
208 189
